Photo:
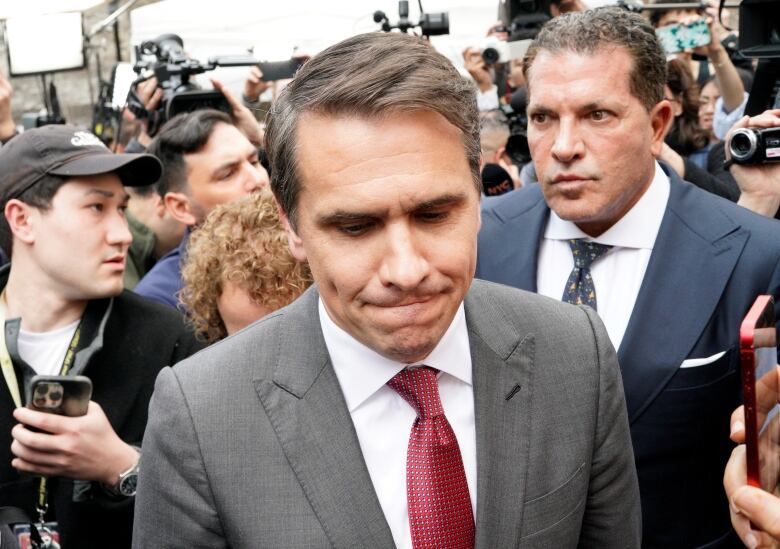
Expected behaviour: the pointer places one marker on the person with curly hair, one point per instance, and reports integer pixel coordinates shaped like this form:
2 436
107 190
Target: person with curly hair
239 268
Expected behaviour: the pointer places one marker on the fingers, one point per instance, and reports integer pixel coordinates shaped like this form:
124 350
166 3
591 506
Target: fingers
759 507
43 442
738 425
146 89
51 423
5 87
734 478
255 75
154 100
767 119
235 105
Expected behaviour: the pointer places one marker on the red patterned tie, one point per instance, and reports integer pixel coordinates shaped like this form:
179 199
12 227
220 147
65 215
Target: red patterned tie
440 512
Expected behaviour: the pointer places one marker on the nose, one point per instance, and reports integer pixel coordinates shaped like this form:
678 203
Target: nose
403 265
256 178
118 233
568 145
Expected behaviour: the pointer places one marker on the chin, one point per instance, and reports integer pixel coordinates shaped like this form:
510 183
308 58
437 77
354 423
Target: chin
411 347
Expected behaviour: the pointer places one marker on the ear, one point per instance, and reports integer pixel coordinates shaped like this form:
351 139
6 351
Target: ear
501 155
661 117
178 205
20 217
293 240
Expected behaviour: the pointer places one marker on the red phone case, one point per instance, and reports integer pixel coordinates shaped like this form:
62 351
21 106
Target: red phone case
747 358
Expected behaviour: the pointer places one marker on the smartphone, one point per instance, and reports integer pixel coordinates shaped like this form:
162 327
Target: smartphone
680 37
758 358
280 70
63 395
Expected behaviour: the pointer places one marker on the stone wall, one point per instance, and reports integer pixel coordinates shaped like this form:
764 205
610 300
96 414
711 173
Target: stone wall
76 90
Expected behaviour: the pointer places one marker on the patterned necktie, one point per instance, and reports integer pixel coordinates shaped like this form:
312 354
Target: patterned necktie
440 513
579 288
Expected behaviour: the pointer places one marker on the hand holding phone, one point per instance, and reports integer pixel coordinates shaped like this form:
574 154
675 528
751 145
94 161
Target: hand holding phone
684 36
82 448
63 395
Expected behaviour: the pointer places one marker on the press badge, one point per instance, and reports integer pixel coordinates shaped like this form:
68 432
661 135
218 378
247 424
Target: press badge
50 537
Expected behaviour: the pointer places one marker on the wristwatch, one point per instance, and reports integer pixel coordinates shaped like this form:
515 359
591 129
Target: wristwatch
128 481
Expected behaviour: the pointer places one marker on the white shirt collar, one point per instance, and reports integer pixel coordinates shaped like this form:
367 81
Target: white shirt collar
637 229
361 371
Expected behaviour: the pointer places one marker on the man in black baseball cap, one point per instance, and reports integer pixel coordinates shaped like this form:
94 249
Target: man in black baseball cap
64 312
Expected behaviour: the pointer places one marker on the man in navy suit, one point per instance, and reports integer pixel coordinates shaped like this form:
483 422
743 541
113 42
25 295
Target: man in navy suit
670 269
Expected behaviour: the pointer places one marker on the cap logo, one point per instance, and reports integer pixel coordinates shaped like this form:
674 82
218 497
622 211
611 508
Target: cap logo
86 139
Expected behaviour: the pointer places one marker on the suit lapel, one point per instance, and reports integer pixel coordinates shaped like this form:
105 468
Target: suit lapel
502 363
513 243
306 407
688 270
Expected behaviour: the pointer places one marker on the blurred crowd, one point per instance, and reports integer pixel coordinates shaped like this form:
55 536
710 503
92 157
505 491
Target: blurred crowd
605 179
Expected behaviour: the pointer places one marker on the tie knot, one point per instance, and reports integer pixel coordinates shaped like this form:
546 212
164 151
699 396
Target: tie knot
419 387
586 252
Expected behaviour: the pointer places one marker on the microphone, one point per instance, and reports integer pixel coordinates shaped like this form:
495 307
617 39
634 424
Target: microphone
496 180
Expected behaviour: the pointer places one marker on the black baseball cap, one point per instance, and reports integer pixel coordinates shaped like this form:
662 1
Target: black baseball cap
65 151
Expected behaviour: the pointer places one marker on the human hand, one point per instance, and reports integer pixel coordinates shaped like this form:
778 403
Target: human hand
749 504
478 69
81 448
759 183
7 126
254 85
498 29
513 171
150 96
242 116
673 158
767 391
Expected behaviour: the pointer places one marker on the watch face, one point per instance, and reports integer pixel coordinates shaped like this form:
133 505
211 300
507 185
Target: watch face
128 485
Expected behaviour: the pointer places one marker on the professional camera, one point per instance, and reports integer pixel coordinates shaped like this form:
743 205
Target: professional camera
430 24
517 145
755 146
173 70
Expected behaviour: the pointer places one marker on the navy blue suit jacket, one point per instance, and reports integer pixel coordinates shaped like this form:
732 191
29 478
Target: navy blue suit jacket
711 259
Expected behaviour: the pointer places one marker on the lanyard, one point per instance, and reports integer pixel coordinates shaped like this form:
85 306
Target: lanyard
13 386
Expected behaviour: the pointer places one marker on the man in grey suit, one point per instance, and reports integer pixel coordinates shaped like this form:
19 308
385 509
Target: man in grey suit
396 403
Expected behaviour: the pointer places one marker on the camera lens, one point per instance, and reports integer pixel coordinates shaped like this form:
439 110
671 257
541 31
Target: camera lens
490 55
743 144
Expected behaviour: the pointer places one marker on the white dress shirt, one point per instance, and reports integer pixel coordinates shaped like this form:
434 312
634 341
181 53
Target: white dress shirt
617 275
383 419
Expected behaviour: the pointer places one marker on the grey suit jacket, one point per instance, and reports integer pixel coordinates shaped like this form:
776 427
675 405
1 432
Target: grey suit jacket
250 443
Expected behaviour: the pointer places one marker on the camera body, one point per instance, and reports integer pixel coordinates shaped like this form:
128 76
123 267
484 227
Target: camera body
173 70
755 145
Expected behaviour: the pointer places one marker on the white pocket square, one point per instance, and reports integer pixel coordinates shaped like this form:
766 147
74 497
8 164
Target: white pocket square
695 362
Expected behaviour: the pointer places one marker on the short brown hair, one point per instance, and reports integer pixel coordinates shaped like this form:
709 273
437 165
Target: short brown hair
588 31
368 75
242 242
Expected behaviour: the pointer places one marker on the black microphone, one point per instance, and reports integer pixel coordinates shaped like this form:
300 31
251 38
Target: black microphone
496 180
519 100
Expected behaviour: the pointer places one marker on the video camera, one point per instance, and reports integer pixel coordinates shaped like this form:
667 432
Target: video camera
759 37
430 24
173 70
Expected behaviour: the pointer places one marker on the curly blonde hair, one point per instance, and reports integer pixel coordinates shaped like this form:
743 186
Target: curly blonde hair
242 242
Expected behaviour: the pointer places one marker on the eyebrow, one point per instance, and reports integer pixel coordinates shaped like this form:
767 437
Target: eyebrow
343 216
105 193
236 161
226 165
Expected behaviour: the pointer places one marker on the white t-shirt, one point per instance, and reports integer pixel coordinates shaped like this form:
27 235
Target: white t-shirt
45 351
